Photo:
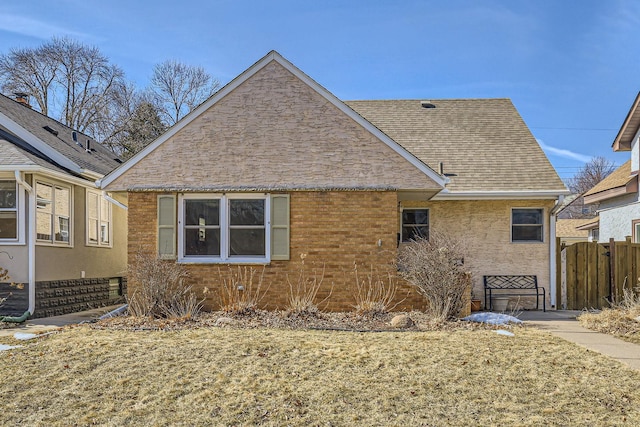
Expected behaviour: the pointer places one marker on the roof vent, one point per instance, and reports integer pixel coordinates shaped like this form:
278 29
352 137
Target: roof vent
427 104
74 135
51 130
88 147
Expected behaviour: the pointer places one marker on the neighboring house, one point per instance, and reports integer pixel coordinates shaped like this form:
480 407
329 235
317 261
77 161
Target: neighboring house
617 194
62 240
273 169
571 231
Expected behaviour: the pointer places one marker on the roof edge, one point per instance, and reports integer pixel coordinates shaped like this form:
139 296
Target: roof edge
501 195
38 144
618 144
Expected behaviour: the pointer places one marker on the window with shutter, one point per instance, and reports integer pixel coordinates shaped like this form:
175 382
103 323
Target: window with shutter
167 226
279 227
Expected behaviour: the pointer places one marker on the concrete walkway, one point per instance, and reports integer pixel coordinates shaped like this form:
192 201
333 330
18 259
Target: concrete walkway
564 325
49 324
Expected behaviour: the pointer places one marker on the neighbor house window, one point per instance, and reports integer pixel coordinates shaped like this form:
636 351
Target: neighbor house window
8 210
415 224
223 228
53 213
635 230
527 225
98 220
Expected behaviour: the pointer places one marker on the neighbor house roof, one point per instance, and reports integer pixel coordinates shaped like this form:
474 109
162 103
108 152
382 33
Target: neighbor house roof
482 144
618 183
49 143
568 227
629 127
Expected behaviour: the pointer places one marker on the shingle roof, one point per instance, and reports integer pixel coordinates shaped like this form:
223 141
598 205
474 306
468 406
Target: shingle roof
618 178
100 160
484 142
567 227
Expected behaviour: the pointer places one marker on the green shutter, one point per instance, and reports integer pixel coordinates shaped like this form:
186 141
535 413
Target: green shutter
167 227
279 227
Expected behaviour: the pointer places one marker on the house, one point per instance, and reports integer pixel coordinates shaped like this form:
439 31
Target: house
573 207
617 195
62 239
274 169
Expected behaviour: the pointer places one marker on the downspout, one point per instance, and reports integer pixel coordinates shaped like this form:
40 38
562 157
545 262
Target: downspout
32 245
113 201
552 250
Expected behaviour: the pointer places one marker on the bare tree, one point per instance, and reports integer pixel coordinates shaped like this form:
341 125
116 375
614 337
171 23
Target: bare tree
594 171
179 88
68 80
30 71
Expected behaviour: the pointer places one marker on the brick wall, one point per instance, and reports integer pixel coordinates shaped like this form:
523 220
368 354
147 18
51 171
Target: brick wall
329 229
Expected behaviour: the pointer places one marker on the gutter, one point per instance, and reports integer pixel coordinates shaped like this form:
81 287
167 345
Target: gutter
31 241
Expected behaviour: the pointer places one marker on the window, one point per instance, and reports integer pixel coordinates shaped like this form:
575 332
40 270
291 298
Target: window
53 213
594 234
98 220
527 225
415 224
8 210
635 231
226 228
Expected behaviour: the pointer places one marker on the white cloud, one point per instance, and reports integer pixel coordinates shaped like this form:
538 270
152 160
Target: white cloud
33 28
561 152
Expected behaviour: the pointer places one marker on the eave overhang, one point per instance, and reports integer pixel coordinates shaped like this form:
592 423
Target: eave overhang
629 128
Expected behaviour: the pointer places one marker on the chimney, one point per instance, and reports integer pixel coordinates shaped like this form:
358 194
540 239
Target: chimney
22 98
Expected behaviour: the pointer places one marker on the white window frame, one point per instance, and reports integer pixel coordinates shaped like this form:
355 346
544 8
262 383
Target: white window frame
543 210
428 224
224 257
20 215
53 241
100 220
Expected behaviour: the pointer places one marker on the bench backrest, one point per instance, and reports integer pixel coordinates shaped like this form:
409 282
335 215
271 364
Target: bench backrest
511 282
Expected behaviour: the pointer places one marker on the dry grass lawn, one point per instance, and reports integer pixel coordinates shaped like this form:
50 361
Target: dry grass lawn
218 376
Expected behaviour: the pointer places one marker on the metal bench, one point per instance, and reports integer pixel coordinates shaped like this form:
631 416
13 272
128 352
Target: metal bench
524 285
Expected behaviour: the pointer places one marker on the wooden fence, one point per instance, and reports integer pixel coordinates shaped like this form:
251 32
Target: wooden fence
592 275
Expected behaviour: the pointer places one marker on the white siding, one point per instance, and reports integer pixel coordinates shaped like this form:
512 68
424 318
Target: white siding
616 222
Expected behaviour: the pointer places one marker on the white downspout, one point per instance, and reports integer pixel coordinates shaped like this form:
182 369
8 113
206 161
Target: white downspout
31 241
552 250
113 201
552 259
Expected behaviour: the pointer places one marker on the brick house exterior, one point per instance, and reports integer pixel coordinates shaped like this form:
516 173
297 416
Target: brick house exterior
275 156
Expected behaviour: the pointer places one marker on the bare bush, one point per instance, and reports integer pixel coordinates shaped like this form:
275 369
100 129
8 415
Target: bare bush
161 291
241 290
435 267
303 291
374 295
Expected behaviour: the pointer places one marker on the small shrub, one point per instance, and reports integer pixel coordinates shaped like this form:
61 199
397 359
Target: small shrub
241 290
303 291
435 267
160 290
373 295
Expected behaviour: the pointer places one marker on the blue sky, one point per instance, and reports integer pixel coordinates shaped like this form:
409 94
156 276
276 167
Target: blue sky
570 67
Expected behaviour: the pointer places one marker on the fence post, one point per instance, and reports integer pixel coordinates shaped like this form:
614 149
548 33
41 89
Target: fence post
612 269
